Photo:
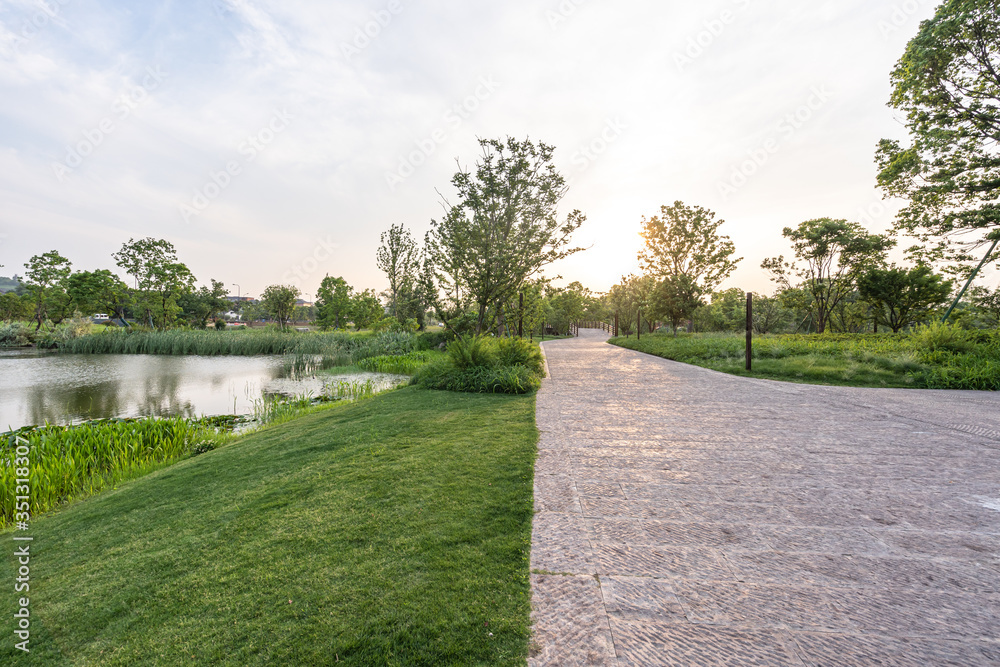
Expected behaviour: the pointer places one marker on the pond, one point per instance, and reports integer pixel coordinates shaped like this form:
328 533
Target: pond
38 386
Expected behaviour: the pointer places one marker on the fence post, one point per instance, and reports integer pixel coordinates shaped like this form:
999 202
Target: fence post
749 330
616 324
638 325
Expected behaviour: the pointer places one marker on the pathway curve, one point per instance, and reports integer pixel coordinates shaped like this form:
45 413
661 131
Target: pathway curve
687 517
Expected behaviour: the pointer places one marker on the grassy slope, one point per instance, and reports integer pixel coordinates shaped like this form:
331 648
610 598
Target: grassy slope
392 531
846 360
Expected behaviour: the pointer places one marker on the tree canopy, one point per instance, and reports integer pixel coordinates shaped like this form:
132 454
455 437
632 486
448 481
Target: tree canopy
503 228
948 85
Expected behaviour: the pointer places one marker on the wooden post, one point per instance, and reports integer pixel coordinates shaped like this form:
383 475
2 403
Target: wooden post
520 318
616 324
638 325
749 330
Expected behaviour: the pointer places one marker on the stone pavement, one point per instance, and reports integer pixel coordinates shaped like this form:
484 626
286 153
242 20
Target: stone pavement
687 517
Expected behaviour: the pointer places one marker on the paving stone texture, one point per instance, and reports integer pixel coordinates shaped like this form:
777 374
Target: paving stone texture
687 517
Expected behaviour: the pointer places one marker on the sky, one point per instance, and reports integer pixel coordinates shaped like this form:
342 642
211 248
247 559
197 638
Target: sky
273 142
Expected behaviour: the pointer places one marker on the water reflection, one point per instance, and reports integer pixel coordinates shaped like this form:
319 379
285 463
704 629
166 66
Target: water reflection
38 386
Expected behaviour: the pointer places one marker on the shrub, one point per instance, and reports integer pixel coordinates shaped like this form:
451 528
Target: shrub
938 336
476 379
14 334
472 352
431 340
220 325
519 352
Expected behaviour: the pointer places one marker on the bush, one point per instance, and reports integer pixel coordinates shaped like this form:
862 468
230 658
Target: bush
14 334
947 337
220 325
432 340
519 352
446 376
64 332
472 352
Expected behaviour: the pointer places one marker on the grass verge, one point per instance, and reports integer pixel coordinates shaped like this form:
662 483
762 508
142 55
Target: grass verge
933 358
393 531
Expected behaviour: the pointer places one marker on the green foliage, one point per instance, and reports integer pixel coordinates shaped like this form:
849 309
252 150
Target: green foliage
406 364
13 307
948 84
160 279
471 352
482 364
683 243
204 304
935 357
45 280
98 291
675 299
279 302
62 333
520 352
903 297
503 229
70 461
445 375
15 334
830 254
397 258
948 337
333 304
432 340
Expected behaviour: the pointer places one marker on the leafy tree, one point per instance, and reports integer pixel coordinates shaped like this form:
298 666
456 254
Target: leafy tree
12 307
902 297
675 299
45 278
628 297
684 241
503 229
204 304
948 84
278 301
98 291
366 309
333 303
725 312
567 305
159 278
988 303
397 258
832 254
769 314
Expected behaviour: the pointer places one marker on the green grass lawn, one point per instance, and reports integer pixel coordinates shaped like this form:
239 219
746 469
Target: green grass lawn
934 360
393 531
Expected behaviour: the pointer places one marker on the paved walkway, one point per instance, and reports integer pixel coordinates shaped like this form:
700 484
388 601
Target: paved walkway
686 517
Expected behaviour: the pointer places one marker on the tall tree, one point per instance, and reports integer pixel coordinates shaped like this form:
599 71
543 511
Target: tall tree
901 297
504 227
278 301
675 299
98 291
333 303
206 303
159 278
397 258
366 309
830 255
44 278
684 241
948 85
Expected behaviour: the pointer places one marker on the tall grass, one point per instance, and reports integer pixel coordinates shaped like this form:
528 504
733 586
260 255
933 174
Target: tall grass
406 364
68 461
242 343
485 365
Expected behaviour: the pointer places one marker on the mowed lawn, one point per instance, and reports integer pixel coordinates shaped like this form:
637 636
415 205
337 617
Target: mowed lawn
394 531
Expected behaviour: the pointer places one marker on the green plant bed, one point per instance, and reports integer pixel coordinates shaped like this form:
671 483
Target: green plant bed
393 531
934 357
